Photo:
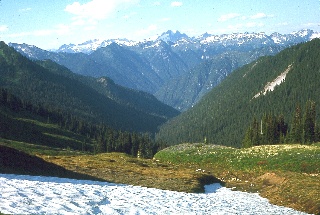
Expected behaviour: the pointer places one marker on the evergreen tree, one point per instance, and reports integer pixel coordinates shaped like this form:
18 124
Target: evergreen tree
3 96
309 119
282 128
296 126
256 138
271 131
101 144
135 145
317 134
248 138
252 136
110 140
145 147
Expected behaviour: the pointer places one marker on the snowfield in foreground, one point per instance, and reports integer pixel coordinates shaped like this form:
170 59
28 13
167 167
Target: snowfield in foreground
20 194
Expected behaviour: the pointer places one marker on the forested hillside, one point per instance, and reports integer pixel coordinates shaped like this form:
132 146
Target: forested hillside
55 87
225 113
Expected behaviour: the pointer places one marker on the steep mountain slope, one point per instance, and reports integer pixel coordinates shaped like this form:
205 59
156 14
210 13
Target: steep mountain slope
186 90
56 87
123 66
166 63
77 62
222 116
135 99
126 68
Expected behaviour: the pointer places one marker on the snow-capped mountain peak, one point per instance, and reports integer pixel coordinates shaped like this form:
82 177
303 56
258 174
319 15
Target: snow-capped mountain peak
30 51
172 36
303 33
92 45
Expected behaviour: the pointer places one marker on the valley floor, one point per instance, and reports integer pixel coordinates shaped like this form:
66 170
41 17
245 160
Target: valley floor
50 195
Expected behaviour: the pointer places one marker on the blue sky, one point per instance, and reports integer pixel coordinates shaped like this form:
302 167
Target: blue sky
49 24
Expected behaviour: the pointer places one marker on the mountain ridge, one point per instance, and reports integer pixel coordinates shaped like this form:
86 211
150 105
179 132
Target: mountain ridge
176 38
152 66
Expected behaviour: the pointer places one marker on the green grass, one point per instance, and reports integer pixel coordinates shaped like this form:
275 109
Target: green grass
34 149
21 129
295 158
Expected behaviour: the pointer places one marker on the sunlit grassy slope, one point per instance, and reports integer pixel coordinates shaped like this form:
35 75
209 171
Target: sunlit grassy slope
294 158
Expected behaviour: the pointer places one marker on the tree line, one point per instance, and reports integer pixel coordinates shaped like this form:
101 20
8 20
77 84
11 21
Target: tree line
272 129
99 138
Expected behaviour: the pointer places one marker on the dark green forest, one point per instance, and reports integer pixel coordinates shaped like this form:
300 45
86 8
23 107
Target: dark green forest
271 129
225 113
19 121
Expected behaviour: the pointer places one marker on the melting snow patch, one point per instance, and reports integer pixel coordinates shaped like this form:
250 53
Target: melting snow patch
50 195
271 85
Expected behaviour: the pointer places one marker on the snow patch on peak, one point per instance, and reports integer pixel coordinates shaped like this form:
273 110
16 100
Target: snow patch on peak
92 45
172 36
277 81
303 33
315 35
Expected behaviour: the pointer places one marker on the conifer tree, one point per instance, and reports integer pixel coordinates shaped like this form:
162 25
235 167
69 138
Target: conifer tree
248 138
272 133
282 128
101 144
296 126
256 140
252 136
309 119
135 145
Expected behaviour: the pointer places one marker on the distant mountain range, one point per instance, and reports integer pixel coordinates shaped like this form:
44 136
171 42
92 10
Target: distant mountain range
180 39
171 66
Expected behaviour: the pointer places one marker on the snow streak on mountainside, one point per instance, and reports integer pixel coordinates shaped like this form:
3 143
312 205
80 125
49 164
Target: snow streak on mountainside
277 81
